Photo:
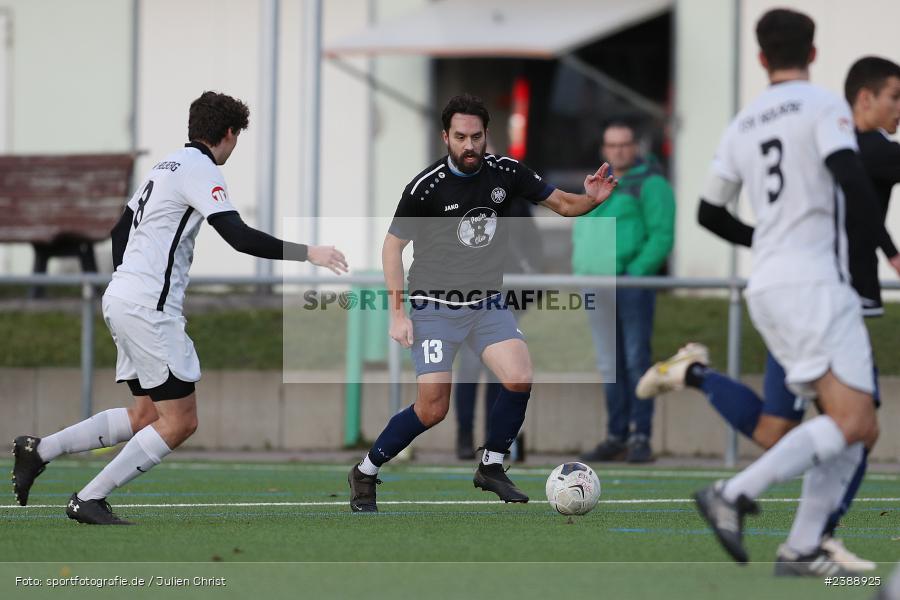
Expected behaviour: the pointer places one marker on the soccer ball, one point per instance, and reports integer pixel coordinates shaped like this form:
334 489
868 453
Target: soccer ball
573 489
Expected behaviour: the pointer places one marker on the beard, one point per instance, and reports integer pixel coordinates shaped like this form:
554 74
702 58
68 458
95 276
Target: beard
461 163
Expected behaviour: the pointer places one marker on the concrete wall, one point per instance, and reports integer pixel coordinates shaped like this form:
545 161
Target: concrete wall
254 410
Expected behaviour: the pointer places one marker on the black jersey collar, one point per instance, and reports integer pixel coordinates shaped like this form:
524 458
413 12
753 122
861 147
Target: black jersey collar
202 148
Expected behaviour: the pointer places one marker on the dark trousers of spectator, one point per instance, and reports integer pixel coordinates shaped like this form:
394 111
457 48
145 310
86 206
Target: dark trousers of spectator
622 346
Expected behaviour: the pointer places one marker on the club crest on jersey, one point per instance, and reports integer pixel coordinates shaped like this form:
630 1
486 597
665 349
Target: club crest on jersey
498 195
476 229
218 194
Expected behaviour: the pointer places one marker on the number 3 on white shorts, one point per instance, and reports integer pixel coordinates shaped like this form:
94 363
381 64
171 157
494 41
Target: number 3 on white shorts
433 351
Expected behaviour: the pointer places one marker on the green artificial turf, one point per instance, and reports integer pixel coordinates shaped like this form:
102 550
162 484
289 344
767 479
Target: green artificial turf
238 519
255 338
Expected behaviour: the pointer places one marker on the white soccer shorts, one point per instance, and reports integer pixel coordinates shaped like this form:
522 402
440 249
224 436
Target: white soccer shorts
149 344
811 328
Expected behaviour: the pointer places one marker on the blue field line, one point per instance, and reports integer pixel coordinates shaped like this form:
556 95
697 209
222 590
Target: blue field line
425 502
748 532
310 468
846 532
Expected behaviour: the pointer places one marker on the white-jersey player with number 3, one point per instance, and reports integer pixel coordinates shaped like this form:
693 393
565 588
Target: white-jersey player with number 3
793 150
153 246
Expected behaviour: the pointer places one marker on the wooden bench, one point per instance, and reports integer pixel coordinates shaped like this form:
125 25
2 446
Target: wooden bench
62 204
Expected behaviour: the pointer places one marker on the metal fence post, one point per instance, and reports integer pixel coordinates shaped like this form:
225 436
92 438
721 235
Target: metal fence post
734 359
394 369
87 349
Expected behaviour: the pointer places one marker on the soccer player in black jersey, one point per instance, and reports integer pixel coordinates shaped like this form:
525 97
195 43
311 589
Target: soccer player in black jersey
872 88
453 213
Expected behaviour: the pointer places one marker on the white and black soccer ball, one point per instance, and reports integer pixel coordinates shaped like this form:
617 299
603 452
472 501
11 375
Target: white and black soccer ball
573 489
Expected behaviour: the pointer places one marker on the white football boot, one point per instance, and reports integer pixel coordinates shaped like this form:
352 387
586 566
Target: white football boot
668 375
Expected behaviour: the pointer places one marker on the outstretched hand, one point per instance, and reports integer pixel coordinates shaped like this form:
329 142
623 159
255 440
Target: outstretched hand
895 263
328 257
600 185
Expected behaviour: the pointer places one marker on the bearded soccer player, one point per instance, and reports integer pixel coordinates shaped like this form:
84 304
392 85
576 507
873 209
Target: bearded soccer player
153 247
453 213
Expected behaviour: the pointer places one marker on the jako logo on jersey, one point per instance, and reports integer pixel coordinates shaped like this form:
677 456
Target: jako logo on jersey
498 195
218 194
477 227
451 207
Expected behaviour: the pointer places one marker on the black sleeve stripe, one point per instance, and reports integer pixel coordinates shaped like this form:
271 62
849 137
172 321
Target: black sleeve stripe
172 248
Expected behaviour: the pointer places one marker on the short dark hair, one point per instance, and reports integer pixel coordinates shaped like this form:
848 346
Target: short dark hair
465 104
785 38
618 123
213 114
869 73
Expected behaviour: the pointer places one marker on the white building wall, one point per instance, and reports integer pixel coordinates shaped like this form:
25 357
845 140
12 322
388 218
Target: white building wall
704 52
69 68
844 33
71 93
69 87
704 98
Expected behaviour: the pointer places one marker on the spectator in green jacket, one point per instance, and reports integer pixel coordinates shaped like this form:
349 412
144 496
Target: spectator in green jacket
641 213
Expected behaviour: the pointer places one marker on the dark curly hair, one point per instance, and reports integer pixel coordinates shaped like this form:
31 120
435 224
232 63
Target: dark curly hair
785 38
213 114
465 104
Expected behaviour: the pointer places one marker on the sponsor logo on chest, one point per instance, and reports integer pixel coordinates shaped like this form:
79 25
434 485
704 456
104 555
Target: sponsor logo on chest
450 207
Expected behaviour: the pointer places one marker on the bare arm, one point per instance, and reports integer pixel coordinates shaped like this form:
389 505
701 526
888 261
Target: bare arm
392 263
598 187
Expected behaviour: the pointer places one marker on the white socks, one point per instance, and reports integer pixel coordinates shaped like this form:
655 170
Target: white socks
814 442
145 450
104 429
368 467
824 487
492 458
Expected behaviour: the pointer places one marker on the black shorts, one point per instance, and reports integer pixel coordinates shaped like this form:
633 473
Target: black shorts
172 389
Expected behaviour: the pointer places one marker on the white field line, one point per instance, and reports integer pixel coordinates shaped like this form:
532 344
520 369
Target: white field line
404 502
604 473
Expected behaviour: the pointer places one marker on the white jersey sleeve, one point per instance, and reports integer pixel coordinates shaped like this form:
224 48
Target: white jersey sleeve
205 191
724 165
834 129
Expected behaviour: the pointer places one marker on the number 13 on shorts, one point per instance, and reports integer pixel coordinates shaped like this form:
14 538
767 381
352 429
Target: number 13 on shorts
433 351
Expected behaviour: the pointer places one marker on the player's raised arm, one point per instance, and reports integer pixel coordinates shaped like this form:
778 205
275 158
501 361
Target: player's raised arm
598 187
392 262
254 242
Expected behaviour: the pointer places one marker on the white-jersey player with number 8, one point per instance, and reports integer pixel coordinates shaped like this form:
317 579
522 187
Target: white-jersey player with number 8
153 247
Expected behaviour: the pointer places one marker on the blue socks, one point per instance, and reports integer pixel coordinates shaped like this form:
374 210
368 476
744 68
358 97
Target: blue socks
401 430
505 419
737 403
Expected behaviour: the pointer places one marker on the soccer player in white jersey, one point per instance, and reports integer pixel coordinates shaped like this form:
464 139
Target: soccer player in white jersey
794 150
153 246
